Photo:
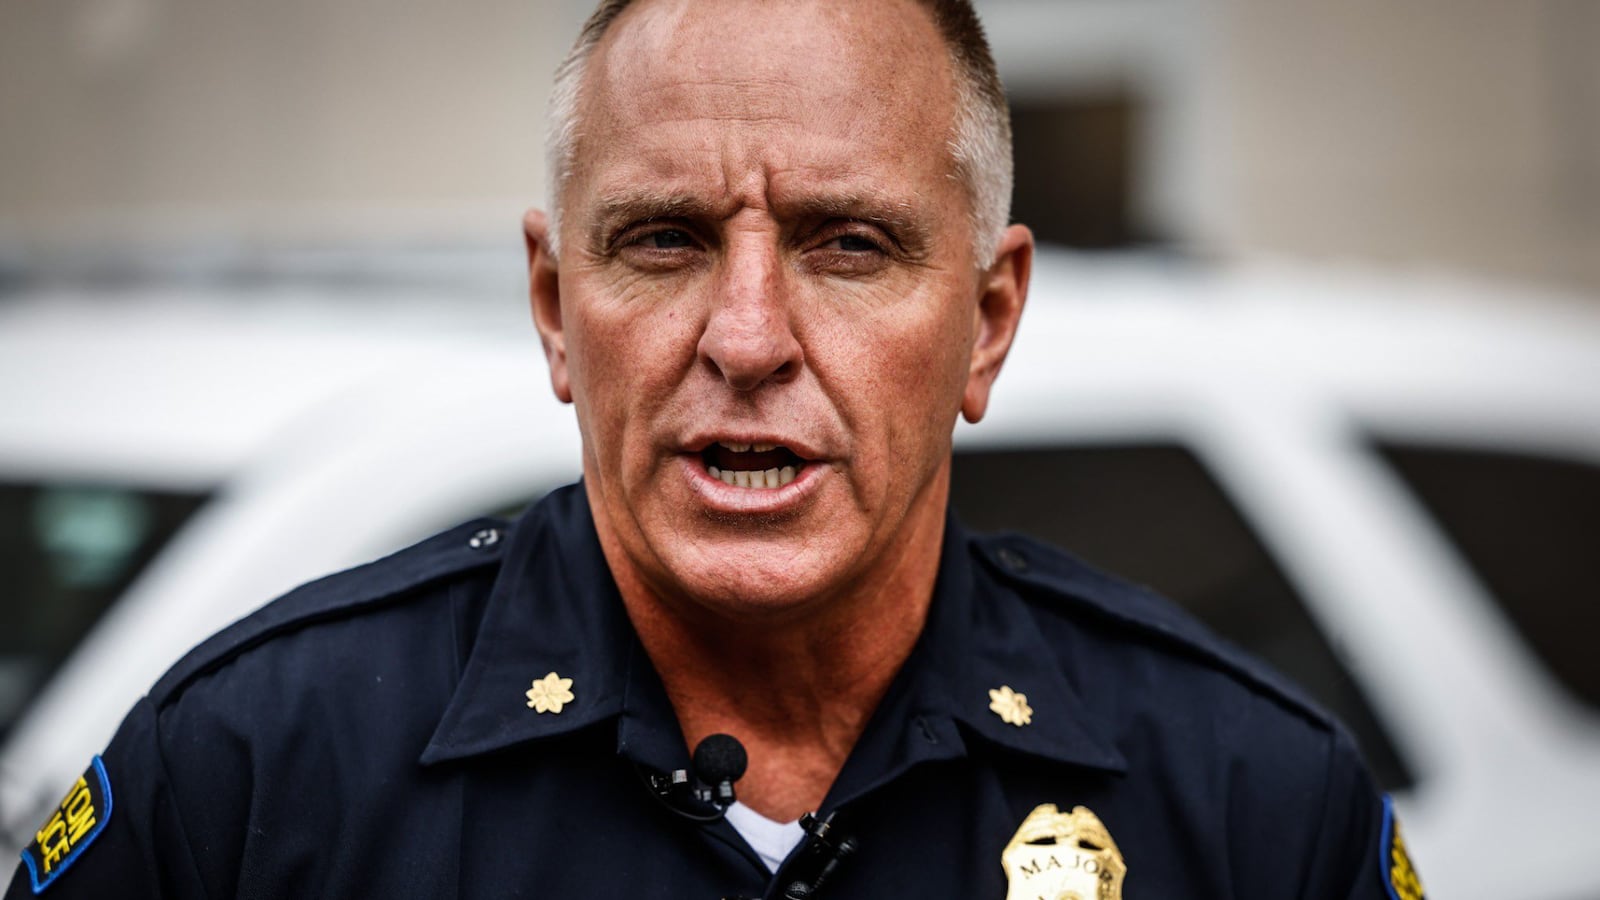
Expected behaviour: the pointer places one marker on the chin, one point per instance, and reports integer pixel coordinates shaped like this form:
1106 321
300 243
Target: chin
757 584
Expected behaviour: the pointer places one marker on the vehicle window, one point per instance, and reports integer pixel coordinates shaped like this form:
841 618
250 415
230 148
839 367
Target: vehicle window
1529 526
1154 515
67 551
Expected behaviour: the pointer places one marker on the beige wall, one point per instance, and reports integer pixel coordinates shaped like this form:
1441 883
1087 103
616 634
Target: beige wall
1456 133
303 118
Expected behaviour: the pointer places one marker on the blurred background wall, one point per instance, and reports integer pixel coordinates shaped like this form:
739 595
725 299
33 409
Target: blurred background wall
193 120
1462 134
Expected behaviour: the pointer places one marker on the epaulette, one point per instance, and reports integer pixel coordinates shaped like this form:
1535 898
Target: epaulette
463 548
1038 568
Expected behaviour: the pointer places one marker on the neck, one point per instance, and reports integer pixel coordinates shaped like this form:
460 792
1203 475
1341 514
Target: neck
799 693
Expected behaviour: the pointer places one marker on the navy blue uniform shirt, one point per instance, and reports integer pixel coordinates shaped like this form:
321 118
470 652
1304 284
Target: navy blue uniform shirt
372 735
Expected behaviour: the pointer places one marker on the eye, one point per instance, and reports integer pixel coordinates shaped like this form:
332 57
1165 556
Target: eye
853 243
850 250
667 239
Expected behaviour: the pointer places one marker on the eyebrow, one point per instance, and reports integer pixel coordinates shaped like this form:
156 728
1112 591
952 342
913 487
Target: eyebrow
900 217
615 210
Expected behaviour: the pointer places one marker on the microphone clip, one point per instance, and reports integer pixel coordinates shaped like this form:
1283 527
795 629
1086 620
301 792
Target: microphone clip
824 850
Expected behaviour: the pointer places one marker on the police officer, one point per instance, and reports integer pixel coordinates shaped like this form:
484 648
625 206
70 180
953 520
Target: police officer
776 268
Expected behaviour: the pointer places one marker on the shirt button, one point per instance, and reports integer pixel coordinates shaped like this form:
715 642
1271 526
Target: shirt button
484 538
1011 559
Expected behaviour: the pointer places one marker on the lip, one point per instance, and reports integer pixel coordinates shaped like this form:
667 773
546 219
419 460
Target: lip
724 498
811 455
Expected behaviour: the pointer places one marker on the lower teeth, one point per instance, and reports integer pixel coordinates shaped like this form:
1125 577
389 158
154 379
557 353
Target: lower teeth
766 480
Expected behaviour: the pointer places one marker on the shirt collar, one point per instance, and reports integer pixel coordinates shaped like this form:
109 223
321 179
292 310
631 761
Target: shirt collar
979 637
555 608
977 619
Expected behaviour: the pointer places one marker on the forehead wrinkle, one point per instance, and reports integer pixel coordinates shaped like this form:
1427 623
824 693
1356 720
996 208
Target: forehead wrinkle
763 188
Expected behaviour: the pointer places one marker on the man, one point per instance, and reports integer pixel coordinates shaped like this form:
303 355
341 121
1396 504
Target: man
776 268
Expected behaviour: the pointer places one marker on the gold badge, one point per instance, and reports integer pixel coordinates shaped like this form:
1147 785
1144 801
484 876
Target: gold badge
1063 856
550 693
1010 706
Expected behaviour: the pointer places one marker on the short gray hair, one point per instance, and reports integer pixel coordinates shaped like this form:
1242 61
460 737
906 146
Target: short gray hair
980 146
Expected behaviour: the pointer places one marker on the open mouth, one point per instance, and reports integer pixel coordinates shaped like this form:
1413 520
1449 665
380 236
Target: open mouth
764 466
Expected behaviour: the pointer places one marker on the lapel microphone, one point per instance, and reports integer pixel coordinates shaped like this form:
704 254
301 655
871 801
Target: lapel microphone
719 761
705 795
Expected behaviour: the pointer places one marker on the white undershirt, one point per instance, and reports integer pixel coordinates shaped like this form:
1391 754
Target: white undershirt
771 840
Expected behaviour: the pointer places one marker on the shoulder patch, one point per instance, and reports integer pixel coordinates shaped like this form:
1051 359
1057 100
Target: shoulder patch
78 819
1400 877
1026 562
466 547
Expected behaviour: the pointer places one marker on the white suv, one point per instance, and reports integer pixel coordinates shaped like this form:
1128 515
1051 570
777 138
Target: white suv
1386 487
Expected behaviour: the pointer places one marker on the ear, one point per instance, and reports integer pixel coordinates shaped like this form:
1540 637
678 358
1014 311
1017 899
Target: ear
1002 291
544 290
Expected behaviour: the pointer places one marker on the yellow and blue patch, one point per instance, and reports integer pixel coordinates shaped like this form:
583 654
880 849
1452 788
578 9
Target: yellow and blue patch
78 819
1399 875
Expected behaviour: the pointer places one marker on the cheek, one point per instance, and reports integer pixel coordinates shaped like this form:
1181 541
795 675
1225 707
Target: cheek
898 375
925 351
626 354
931 377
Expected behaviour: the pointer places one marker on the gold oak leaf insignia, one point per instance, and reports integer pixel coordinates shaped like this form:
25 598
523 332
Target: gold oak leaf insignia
1011 706
550 693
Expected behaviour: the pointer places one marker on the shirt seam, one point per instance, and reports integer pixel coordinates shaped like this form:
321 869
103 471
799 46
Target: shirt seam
177 810
1319 846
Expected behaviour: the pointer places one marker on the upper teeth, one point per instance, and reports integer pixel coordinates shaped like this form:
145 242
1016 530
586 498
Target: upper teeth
746 448
769 478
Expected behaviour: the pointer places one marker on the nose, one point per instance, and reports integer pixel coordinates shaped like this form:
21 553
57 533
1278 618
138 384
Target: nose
749 338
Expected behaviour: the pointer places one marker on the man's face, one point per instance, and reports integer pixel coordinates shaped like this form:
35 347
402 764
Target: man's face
767 279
